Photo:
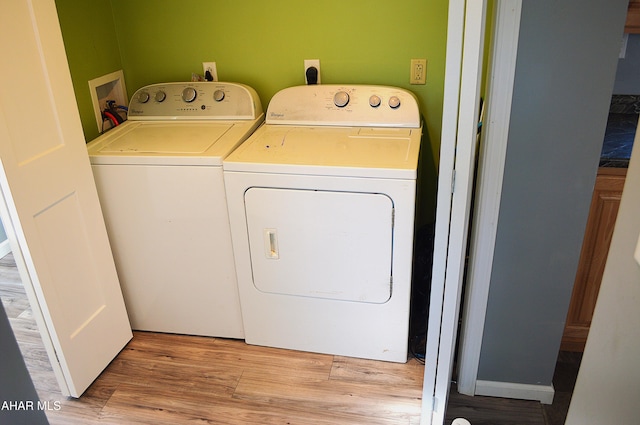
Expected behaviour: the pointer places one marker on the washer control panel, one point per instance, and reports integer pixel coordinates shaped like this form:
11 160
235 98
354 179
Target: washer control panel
348 105
195 100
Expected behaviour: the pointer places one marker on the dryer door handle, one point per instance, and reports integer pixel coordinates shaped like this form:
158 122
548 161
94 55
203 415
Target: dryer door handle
271 244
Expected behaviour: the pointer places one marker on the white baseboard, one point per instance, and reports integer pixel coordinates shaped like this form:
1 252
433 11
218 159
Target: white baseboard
5 248
542 393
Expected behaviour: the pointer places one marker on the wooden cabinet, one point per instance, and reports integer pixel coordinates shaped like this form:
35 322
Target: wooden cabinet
595 247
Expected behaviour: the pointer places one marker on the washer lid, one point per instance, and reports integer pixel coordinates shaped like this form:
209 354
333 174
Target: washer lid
330 151
167 138
170 142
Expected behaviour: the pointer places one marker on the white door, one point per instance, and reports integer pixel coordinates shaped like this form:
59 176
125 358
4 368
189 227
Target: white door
51 202
465 39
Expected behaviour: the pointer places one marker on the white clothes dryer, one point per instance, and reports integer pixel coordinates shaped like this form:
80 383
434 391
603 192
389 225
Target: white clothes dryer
321 201
160 183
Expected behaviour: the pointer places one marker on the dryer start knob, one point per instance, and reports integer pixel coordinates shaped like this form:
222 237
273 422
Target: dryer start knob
189 94
341 99
394 102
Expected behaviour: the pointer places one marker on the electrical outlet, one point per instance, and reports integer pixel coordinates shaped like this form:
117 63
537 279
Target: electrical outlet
211 67
308 63
418 71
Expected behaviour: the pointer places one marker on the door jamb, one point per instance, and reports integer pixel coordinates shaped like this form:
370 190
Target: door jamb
492 157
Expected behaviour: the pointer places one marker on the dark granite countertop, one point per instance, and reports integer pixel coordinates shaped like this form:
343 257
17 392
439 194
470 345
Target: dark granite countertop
620 132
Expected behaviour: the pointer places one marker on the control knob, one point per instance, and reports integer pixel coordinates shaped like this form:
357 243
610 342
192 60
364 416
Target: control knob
218 95
394 102
143 97
375 101
341 99
161 96
189 94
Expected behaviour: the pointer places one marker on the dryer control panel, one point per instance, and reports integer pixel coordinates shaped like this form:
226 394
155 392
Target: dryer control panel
195 100
344 105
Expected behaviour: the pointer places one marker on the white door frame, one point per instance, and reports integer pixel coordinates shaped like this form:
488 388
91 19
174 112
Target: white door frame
465 43
491 162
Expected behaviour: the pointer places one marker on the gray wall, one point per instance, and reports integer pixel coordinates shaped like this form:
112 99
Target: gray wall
628 72
567 57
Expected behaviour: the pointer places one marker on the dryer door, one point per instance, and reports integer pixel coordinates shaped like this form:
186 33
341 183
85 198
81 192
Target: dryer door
321 244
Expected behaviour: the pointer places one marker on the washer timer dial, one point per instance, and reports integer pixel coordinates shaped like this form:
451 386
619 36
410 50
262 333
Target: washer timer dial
189 94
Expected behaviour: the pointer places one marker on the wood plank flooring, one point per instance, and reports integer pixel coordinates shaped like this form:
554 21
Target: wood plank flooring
173 379
178 379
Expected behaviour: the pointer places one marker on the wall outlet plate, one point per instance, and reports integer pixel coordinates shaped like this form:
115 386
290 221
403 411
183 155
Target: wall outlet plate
418 71
309 63
211 67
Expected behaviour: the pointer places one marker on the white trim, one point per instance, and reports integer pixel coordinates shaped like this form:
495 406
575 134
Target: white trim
542 393
455 30
489 188
458 147
5 248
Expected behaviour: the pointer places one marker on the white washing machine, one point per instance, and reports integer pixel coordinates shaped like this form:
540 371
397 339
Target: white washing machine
321 202
160 183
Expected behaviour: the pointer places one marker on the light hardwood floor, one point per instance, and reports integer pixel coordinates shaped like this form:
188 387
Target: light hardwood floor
177 379
173 379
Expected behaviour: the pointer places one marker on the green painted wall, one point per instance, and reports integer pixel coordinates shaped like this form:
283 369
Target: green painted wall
92 50
263 44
